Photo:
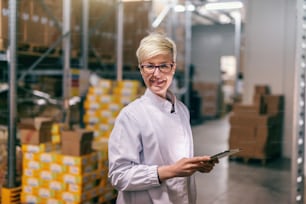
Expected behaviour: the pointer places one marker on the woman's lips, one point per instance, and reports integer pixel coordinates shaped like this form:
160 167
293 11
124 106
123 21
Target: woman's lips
156 82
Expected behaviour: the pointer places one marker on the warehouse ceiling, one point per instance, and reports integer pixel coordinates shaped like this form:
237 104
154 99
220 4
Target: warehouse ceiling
204 12
208 12
212 12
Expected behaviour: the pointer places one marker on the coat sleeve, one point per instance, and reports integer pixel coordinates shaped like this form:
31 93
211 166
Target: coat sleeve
127 170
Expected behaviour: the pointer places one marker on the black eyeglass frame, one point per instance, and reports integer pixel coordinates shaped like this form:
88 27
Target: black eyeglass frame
142 67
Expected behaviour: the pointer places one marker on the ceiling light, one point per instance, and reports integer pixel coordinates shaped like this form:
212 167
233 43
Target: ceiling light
133 0
223 19
181 8
224 5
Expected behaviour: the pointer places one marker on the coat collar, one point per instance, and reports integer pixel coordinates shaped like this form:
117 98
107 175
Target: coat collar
160 102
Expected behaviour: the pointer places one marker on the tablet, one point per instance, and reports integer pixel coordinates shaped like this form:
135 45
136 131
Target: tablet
225 154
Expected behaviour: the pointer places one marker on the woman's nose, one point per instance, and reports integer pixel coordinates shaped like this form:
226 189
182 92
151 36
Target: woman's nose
156 71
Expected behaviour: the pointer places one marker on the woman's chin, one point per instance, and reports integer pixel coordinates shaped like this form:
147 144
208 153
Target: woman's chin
158 90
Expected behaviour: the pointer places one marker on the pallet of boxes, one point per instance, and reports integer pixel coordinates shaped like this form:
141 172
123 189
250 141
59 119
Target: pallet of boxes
211 99
257 128
65 171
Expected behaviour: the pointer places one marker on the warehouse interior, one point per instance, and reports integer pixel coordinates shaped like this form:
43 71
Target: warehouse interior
67 67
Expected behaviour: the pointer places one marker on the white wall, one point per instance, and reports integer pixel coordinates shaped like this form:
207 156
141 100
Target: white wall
269 54
209 43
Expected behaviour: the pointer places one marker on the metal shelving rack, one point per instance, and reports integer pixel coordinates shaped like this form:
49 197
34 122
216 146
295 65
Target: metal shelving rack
11 58
298 144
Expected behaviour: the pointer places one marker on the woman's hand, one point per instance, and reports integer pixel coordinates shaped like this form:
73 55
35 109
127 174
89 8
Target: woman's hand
207 166
186 167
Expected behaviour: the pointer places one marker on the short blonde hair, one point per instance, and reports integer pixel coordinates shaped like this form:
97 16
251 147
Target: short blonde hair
155 44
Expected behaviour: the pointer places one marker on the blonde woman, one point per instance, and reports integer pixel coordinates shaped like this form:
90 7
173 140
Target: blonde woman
151 147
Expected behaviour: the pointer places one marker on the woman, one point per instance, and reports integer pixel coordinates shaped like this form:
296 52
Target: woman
151 147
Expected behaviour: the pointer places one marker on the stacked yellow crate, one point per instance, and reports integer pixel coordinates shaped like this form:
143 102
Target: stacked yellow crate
98 116
85 170
103 103
50 176
53 177
38 173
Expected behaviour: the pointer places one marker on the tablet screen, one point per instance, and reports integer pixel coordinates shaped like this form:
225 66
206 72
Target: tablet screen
225 153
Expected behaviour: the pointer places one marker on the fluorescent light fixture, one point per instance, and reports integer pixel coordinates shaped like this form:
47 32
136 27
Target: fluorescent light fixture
160 17
41 102
181 8
134 0
224 5
223 19
235 14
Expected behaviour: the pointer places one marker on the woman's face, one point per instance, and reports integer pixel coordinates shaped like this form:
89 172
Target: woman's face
156 80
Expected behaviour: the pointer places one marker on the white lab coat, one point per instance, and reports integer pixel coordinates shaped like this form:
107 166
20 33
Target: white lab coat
146 135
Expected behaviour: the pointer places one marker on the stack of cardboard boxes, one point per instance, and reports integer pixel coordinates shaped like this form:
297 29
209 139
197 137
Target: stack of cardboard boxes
211 98
257 128
66 172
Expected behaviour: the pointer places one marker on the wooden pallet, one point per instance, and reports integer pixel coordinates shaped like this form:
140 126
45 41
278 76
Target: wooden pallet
249 160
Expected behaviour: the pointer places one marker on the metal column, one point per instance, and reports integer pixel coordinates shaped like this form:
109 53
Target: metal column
66 56
298 141
12 62
120 12
187 51
85 33
237 18
172 19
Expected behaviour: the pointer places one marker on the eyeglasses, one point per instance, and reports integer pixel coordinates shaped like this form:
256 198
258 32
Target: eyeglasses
150 68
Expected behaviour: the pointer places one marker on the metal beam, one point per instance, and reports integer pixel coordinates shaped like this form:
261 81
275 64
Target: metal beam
66 58
12 62
187 53
42 57
214 21
237 19
85 34
120 12
50 14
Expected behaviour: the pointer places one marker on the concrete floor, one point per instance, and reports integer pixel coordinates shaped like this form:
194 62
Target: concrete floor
234 181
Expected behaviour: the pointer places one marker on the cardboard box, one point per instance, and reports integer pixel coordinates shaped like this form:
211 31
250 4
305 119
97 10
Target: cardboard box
255 120
244 133
35 131
275 104
261 89
243 109
259 100
77 142
4 19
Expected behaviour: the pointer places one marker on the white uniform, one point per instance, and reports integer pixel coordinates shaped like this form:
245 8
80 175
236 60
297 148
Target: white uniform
147 135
